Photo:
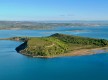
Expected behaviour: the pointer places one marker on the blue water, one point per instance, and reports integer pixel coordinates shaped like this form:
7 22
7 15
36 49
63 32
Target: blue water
14 66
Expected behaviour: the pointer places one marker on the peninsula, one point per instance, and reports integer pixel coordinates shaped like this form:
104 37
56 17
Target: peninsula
58 45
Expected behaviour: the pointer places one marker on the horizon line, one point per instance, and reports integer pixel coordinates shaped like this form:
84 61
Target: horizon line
49 20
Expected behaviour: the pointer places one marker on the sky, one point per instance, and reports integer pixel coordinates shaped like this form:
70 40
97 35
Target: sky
42 10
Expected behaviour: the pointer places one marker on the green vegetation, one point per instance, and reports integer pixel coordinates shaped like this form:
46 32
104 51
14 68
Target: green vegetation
57 44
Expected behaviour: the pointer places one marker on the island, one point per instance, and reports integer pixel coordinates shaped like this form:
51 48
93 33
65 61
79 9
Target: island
58 45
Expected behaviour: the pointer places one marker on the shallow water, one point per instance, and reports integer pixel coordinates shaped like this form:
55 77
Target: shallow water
14 66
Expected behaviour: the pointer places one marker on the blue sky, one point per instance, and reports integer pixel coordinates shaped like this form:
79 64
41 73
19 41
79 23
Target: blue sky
40 10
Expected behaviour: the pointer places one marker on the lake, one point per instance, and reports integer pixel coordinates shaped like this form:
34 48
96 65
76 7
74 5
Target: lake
14 66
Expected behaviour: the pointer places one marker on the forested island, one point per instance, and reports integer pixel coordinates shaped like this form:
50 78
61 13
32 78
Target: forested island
58 45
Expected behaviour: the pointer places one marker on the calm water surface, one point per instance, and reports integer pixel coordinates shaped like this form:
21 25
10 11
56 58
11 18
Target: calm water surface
14 66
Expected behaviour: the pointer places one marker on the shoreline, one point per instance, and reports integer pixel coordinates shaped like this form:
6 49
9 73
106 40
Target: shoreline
80 52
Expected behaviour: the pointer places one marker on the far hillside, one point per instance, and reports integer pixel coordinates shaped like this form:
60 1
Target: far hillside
46 25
